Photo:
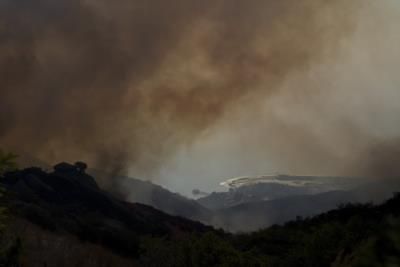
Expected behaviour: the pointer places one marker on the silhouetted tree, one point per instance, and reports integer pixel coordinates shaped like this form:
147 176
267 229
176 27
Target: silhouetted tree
81 166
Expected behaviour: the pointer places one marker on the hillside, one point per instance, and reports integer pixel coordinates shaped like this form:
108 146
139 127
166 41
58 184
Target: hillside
269 187
252 216
256 206
148 193
63 218
351 235
69 202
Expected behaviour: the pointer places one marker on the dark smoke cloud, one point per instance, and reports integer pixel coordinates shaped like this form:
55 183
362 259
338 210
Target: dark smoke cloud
120 83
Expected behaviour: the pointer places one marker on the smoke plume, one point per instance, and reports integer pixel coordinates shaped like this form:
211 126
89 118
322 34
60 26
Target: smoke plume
128 83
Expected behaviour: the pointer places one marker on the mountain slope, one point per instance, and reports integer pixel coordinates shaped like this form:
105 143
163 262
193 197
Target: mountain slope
69 201
256 215
250 193
260 188
145 192
251 216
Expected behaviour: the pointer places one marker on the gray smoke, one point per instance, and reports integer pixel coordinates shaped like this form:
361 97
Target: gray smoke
127 84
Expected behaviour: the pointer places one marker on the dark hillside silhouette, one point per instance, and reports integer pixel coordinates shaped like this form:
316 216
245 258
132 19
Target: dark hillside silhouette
94 228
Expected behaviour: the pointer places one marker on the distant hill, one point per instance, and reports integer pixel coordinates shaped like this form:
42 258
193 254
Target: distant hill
251 216
260 188
254 206
250 193
145 192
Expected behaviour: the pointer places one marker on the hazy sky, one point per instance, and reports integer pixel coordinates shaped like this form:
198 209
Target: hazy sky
357 102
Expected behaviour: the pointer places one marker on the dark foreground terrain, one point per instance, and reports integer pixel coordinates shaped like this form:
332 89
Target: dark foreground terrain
63 218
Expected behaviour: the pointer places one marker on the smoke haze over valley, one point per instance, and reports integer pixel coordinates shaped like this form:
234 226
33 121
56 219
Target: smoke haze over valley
190 93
